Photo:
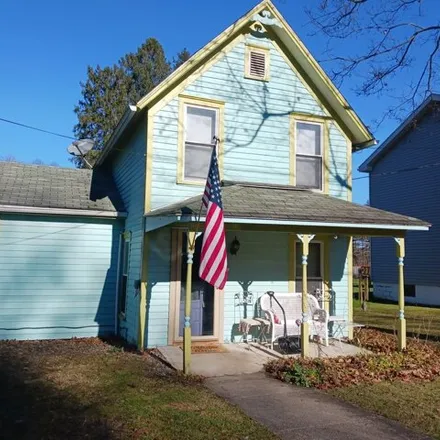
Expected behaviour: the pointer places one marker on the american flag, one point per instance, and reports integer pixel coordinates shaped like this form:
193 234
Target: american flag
213 262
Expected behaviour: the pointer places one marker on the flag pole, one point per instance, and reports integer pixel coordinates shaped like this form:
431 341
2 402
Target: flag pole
191 244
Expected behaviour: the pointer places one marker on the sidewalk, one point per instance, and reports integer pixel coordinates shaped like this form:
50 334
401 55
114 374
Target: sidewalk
297 413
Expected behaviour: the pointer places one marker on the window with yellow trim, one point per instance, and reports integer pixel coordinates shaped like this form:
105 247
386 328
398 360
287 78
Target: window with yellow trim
200 127
309 151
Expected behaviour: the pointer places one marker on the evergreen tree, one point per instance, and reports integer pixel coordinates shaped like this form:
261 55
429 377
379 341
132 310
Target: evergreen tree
107 91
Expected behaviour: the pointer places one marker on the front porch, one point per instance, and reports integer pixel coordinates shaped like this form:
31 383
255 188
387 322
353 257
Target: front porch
243 358
280 229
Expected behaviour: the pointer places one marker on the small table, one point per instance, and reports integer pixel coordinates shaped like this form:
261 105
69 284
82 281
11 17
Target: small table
246 325
339 325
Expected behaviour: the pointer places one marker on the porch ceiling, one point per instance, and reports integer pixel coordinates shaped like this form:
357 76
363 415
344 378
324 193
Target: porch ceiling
253 203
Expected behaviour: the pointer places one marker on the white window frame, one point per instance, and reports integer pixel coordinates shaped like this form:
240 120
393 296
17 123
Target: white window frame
210 104
321 156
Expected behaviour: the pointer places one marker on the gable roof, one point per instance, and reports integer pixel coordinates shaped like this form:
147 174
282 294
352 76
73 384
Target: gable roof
285 204
45 189
306 64
398 133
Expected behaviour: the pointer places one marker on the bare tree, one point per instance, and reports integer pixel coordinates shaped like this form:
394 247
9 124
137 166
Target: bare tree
8 158
392 37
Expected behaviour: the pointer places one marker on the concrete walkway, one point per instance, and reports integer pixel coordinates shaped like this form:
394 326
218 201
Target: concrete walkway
245 358
296 413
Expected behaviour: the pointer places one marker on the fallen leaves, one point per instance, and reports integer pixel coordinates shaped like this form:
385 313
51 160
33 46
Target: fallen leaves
420 362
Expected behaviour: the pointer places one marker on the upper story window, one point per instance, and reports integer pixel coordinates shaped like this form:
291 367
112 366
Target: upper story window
257 63
309 151
200 129
200 119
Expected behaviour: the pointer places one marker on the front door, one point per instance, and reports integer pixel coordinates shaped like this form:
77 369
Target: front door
205 299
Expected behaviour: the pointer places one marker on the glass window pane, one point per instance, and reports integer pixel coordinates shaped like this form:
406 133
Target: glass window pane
200 124
308 138
308 172
197 158
313 261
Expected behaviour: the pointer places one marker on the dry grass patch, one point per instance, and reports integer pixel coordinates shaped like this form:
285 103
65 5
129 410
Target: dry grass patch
92 390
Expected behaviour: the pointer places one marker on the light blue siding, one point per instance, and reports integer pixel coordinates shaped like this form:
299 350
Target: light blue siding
158 287
261 264
414 193
129 176
337 163
256 120
57 276
339 276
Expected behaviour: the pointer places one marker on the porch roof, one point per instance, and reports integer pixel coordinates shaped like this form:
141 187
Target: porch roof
255 203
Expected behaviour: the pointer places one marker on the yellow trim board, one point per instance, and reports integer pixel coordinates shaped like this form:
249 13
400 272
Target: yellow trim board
350 285
143 294
149 162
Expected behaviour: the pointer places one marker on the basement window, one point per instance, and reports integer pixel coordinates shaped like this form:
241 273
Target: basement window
257 63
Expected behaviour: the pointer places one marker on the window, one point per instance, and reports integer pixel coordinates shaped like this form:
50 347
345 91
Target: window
257 63
308 167
124 267
201 125
314 267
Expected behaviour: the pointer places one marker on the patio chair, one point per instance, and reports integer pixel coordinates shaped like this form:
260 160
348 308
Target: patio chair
292 305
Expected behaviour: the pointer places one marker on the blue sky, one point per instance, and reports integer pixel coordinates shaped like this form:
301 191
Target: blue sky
46 46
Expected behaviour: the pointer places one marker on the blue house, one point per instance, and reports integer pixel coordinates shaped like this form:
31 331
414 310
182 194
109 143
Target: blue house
118 265
404 178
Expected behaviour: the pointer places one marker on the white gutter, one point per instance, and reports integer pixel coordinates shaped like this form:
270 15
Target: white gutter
166 220
11 209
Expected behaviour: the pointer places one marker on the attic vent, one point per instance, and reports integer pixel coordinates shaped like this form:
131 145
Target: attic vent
257 64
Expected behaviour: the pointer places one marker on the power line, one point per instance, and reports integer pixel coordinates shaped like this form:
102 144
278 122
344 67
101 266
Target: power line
36 128
404 170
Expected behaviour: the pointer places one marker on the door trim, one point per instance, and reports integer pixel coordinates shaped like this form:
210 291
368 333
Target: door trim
174 304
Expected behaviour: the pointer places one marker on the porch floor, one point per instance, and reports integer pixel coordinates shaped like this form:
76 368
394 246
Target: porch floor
244 358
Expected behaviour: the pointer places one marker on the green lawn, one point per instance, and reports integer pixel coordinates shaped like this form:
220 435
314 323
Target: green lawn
420 321
416 405
91 390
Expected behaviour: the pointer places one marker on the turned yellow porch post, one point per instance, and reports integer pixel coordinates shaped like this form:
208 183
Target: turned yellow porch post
305 239
188 299
402 322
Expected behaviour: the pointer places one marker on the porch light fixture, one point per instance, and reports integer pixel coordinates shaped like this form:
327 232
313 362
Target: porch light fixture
234 247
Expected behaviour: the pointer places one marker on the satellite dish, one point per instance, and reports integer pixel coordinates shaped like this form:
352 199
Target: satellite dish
80 147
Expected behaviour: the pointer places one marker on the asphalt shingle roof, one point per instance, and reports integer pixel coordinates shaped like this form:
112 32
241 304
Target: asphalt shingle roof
54 187
276 202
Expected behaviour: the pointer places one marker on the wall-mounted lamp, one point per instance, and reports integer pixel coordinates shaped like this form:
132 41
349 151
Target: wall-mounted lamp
234 247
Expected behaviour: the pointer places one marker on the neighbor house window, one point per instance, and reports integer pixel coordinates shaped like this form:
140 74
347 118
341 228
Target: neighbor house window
257 63
201 125
308 148
314 267
124 267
